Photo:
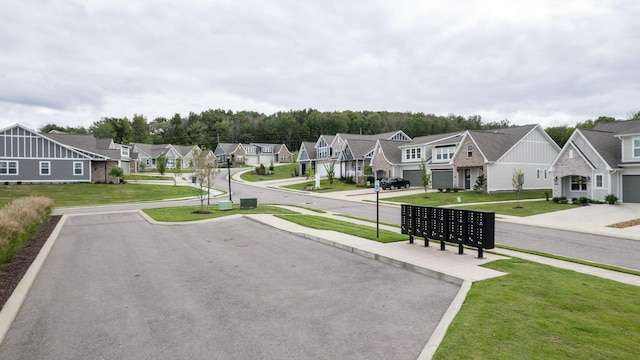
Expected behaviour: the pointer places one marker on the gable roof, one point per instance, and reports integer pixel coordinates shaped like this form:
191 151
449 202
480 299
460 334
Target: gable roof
359 148
432 139
383 136
228 148
184 150
391 151
98 147
495 143
153 150
619 127
309 149
605 144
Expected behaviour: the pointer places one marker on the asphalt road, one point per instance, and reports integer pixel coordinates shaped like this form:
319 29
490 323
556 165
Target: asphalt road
607 250
117 287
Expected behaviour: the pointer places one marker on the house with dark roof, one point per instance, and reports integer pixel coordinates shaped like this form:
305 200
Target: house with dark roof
499 154
253 153
306 155
457 159
601 161
147 154
31 157
349 153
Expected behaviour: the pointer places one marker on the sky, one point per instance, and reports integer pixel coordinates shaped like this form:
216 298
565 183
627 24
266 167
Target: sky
553 63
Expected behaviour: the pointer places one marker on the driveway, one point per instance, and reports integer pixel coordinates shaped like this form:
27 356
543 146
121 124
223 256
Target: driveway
115 287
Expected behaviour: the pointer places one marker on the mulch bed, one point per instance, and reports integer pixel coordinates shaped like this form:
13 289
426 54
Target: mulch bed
625 224
12 272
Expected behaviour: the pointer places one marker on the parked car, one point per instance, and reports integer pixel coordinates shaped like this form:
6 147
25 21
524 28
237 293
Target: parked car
394 183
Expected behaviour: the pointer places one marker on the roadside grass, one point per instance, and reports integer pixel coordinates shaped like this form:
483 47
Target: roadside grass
524 208
95 194
369 220
443 198
363 231
279 172
325 186
19 221
538 311
186 213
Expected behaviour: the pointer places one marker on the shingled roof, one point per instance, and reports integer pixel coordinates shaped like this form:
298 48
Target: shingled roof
495 143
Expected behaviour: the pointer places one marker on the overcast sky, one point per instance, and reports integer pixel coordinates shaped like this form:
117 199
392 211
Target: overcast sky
536 61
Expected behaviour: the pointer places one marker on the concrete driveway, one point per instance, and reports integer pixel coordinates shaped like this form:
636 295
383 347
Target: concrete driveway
117 287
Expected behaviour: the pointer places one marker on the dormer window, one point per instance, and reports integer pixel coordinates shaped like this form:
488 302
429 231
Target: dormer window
444 153
124 151
469 150
413 154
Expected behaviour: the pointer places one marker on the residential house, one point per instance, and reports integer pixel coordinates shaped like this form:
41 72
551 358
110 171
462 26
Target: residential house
598 162
348 153
499 154
147 154
306 155
188 155
253 153
31 157
457 159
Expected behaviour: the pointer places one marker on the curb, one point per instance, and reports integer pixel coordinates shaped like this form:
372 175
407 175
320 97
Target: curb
14 303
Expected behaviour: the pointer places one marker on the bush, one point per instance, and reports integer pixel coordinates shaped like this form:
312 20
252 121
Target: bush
584 200
19 220
574 200
560 200
611 199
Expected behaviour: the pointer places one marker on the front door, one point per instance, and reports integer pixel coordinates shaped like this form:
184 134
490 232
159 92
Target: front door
467 179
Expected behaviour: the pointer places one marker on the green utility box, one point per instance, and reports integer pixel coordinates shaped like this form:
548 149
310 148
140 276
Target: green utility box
225 205
248 203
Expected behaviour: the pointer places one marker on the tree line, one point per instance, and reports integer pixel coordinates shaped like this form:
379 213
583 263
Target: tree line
211 127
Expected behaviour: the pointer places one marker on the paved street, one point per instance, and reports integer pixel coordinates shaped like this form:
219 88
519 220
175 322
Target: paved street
115 286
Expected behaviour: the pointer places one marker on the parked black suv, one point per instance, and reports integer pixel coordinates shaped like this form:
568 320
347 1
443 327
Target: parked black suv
394 183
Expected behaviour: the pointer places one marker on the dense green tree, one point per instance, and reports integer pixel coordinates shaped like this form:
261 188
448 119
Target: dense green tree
118 129
139 129
560 134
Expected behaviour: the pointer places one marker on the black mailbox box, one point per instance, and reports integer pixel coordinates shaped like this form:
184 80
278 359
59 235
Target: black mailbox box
463 227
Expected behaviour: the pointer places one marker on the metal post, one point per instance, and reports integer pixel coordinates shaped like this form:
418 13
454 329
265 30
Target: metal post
229 168
378 215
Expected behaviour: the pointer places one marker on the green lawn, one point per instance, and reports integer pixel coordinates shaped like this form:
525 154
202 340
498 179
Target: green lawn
525 208
133 177
279 172
437 198
363 231
95 194
542 312
185 213
325 186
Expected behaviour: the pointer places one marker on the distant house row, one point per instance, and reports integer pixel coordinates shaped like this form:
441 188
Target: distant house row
594 163
253 153
31 157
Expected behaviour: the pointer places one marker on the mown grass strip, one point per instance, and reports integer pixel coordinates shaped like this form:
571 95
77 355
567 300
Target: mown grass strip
279 172
368 220
325 223
188 213
95 194
522 209
466 197
541 312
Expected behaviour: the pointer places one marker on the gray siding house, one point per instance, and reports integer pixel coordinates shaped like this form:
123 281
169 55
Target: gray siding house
30 157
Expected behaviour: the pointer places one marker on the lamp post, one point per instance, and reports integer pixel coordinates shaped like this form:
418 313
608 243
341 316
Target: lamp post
229 168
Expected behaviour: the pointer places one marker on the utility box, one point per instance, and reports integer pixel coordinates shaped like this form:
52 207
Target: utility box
225 205
248 203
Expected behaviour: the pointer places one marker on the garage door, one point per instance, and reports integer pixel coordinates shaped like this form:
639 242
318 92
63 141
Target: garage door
414 176
442 179
631 188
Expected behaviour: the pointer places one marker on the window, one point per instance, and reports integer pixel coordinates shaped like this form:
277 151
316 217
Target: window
415 153
537 174
323 149
578 183
45 168
8 168
545 174
78 168
445 153
469 150
124 151
636 147
283 158
599 182
570 154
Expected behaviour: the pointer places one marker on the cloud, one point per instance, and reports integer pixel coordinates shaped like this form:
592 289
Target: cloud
73 62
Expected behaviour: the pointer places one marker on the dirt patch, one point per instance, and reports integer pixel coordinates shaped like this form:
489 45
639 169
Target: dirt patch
12 272
625 224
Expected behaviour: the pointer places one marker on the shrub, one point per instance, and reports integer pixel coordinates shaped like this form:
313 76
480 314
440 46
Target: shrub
574 200
555 200
19 220
583 200
611 199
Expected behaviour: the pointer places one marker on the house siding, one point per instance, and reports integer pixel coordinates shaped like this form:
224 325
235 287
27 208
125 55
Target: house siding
500 177
532 149
627 149
379 163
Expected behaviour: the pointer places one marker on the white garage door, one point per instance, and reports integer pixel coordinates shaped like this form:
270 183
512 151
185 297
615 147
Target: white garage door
631 188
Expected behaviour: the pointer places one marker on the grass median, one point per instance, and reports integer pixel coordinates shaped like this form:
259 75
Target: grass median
95 194
363 231
541 312
466 197
188 213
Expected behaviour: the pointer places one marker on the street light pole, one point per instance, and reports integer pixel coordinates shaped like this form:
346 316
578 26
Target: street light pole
229 168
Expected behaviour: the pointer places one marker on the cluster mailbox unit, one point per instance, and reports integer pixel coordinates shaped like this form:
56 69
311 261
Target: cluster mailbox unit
462 227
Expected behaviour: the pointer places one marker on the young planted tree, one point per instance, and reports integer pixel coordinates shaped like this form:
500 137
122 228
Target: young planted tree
426 177
204 170
331 171
518 181
161 164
